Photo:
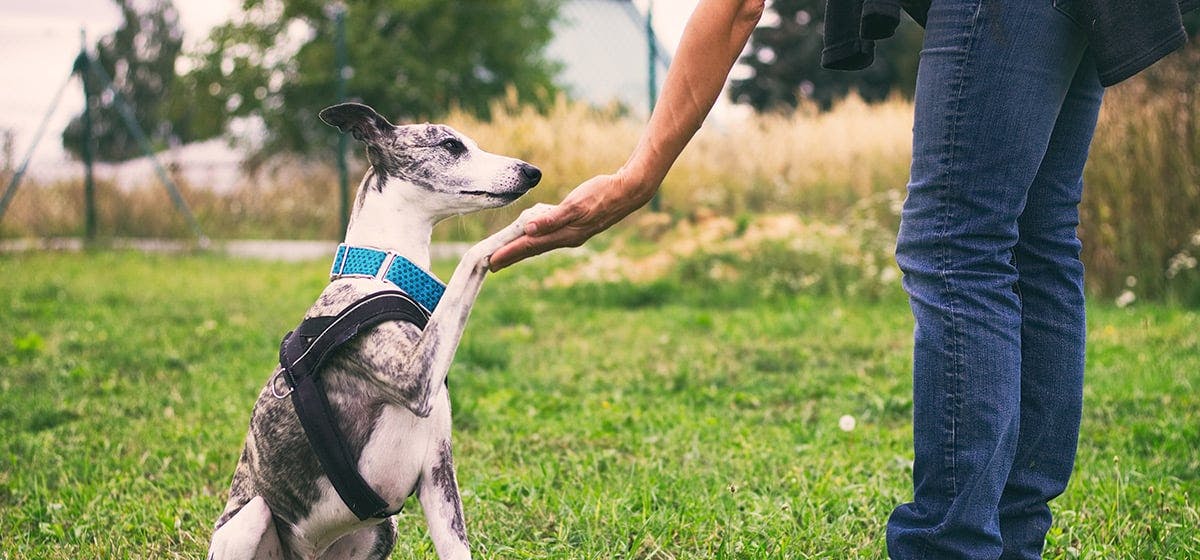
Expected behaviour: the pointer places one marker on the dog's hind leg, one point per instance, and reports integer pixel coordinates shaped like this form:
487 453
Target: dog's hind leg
442 504
372 543
248 535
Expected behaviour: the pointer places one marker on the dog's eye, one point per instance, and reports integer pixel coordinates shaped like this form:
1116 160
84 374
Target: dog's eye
453 145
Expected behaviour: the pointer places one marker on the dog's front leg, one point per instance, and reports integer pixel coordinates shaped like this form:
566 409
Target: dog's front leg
442 504
439 341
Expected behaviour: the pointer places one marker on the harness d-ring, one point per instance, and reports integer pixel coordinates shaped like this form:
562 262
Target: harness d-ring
275 386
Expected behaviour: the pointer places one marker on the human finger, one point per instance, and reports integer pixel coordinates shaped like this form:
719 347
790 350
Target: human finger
550 219
527 246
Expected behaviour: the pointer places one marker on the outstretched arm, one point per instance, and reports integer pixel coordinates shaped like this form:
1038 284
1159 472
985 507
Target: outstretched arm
714 37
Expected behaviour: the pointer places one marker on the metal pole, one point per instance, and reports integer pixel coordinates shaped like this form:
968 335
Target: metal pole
15 182
131 123
652 44
89 183
342 75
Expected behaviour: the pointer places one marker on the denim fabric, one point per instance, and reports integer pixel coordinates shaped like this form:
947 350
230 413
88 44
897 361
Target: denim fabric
1126 37
1006 102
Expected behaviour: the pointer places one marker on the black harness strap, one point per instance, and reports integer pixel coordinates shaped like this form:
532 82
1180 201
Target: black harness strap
303 353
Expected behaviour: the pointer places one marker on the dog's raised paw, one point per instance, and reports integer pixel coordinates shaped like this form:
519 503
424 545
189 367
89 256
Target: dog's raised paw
532 212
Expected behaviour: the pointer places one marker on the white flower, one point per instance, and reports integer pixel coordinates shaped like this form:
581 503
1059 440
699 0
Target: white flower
846 423
1125 298
1179 263
896 204
1130 281
889 275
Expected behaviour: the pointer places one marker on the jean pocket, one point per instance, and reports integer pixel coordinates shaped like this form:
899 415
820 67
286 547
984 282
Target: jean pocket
1069 9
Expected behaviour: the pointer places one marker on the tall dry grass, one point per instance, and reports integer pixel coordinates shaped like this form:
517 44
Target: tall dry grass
808 161
1141 209
296 200
1140 218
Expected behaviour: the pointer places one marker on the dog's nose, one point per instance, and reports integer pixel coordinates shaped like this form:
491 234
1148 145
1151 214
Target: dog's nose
531 174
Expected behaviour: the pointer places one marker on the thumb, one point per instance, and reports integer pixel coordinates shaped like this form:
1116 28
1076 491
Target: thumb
552 220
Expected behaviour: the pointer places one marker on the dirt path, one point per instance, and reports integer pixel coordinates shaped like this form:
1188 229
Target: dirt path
264 249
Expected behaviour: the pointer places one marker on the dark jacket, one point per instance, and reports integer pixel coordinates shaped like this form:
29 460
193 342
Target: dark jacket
1125 36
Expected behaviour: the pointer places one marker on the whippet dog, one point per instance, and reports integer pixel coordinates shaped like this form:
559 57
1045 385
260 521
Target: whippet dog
387 387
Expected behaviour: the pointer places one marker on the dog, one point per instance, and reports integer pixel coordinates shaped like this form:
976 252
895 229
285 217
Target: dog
387 386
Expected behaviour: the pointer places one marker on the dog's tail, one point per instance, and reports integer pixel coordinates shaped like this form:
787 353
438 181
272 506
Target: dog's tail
248 535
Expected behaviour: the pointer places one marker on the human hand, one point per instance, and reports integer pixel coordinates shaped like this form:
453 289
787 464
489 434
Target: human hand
591 208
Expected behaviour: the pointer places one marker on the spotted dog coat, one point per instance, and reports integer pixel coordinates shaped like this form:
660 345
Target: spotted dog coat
387 386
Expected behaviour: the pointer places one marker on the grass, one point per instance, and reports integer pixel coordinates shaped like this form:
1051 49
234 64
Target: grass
591 422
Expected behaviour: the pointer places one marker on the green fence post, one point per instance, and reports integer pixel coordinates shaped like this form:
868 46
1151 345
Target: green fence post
89 181
339 15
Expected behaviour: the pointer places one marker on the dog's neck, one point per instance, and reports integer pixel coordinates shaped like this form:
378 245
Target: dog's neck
403 230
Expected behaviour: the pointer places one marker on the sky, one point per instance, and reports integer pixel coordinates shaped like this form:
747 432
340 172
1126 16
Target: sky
39 40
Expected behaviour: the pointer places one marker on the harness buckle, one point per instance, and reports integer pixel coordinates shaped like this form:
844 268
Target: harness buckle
385 267
342 265
275 386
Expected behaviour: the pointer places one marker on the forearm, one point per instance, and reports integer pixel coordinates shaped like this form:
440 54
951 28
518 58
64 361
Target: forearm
711 42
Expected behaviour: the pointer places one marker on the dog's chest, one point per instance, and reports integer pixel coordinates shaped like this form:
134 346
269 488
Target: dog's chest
399 448
394 460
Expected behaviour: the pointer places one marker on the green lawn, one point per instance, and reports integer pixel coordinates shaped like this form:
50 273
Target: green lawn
619 422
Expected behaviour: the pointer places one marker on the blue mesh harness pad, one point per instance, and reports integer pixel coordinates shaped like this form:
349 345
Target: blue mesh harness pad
364 262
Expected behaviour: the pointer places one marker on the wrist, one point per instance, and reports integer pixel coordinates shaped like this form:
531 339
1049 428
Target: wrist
636 184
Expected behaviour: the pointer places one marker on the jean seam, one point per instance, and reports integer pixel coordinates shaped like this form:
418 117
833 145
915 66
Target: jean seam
954 404
1015 259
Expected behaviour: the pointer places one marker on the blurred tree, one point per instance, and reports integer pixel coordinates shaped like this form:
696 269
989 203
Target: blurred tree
784 62
140 59
411 59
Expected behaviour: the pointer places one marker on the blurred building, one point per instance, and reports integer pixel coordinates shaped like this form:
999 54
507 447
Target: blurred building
604 47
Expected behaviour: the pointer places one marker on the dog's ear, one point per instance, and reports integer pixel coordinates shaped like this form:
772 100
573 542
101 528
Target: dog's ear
360 120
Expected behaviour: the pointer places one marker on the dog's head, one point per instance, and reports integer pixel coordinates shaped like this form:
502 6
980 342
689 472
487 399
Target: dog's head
432 166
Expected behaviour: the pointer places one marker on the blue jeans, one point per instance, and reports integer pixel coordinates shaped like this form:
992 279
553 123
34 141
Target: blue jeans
1006 103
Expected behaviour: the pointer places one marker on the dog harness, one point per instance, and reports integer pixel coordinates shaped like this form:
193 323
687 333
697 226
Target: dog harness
304 351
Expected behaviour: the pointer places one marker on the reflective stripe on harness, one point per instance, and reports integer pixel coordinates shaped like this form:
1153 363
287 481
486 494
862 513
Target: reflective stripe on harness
302 355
